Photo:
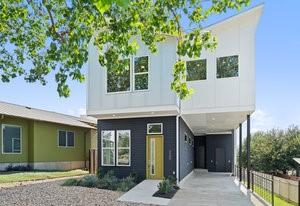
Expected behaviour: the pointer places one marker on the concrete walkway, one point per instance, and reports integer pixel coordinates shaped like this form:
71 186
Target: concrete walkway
142 193
209 189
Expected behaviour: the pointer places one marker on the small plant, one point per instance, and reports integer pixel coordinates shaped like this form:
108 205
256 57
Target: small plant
108 181
126 184
165 187
137 178
172 179
18 168
89 181
71 182
100 173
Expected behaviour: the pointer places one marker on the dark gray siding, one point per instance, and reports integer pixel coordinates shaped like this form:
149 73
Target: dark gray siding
138 127
219 141
186 151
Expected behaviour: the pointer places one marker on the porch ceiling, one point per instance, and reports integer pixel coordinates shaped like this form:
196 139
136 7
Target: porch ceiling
205 123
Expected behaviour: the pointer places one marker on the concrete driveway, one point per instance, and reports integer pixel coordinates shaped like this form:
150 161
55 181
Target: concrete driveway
209 189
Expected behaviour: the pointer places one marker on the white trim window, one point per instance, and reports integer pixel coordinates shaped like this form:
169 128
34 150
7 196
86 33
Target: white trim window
11 139
141 73
118 80
154 128
108 148
123 147
228 66
66 138
196 70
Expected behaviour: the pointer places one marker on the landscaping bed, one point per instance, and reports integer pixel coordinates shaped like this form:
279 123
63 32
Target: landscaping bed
52 193
106 181
167 188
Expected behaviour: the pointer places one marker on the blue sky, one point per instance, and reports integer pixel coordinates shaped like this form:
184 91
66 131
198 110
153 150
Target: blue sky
277 73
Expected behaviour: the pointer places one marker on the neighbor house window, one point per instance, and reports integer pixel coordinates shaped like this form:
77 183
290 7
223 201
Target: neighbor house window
66 138
108 148
196 70
228 66
123 147
11 139
185 138
190 140
119 80
155 128
141 73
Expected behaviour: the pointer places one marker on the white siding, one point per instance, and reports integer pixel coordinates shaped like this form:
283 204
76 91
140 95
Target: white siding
236 36
160 76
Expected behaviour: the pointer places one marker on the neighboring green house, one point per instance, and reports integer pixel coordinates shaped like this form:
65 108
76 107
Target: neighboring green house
44 140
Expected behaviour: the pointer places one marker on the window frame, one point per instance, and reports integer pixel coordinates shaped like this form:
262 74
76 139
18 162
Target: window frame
161 124
21 137
130 80
205 59
66 136
238 69
114 148
117 148
140 73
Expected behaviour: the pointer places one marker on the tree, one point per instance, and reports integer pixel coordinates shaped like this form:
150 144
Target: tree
38 37
273 151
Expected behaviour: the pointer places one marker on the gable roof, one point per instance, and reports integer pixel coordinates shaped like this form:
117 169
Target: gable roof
43 115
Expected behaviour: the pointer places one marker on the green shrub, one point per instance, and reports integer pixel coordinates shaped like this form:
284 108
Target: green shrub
126 184
109 181
89 181
18 168
165 187
172 179
71 182
137 178
100 173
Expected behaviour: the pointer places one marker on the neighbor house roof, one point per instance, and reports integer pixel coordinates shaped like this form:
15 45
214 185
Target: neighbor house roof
43 115
297 159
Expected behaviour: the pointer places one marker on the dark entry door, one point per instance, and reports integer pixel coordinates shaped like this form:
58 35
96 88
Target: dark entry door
220 159
201 157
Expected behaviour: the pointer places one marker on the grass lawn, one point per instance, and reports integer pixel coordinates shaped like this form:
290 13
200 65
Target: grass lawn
278 201
8 177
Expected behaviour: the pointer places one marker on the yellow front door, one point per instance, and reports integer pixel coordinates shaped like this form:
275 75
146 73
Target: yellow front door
155 157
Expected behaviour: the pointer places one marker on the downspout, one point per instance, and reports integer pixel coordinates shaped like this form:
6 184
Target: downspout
177 148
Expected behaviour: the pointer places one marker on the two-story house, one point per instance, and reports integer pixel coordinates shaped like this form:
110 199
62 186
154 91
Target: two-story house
145 128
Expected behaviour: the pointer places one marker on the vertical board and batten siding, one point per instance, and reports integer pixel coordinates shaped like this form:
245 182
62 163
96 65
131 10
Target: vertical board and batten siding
236 36
186 157
219 141
138 128
159 92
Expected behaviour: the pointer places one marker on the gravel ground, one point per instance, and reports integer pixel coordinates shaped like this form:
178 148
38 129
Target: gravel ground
52 193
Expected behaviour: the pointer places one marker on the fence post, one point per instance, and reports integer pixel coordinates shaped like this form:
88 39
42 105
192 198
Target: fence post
299 193
252 181
272 190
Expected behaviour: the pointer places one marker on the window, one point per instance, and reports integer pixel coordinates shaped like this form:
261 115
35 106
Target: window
155 128
123 150
190 140
227 66
66 138
196 70
119 81
11 139
108 148
141 68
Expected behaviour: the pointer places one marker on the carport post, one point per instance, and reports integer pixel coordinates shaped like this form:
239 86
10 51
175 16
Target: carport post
240 153
248 151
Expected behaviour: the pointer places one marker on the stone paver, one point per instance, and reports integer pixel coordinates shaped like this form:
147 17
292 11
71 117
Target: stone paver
209 189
